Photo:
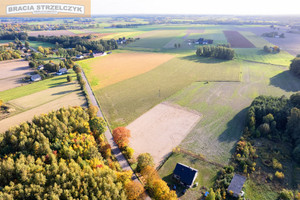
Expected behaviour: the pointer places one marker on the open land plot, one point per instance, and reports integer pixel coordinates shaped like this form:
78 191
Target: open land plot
42 97
237 40
12 73
116 36
73 99
105 71
126 100
289 43
157 39
36 44
161 129
258 55
51 33
18 92
215 34
224 104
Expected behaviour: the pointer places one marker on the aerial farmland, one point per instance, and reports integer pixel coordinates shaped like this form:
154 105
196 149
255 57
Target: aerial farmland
179 106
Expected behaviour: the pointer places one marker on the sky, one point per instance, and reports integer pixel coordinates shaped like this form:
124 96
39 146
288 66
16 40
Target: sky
235 7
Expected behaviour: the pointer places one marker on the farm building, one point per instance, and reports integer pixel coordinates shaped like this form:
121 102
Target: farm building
236 185
185 174
35 77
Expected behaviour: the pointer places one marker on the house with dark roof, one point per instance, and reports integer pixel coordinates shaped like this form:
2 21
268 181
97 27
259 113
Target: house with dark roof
185 174
236 185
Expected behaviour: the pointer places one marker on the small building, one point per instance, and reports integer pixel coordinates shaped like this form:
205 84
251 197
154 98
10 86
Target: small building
185 175
63 71
40 67
236 185
35 78
79 57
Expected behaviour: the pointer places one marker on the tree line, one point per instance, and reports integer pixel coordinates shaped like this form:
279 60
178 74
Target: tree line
219 52
295 66
76 41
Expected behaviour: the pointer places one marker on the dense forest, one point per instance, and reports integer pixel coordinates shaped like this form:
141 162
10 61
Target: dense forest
61 155
76 41
219 52
295 66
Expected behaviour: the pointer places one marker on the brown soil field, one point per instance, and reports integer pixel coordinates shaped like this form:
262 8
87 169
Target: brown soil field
73 99
118 67
45 96
51 33
13 68
161 129
12 72
237 40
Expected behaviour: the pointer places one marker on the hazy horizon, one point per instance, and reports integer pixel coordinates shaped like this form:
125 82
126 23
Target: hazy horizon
193 7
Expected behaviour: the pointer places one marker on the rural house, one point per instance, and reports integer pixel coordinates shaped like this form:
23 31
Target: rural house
35 77
185 175
236 185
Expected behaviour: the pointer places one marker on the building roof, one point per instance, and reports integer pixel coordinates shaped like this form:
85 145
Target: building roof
36 77
237 184
187 174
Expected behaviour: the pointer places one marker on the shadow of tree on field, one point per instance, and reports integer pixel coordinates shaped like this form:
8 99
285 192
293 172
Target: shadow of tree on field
195 58
234 129
286 81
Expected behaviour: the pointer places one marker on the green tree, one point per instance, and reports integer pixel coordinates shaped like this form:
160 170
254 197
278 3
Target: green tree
144 160
98 126
211 195
69 78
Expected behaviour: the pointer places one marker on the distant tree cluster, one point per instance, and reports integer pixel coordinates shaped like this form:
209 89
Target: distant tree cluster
274 49
12 35
273 34
76 41
219 52
295 66
56 157
9 54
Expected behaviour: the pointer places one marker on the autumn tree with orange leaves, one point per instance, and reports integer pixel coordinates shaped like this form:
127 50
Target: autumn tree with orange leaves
121 136
134 190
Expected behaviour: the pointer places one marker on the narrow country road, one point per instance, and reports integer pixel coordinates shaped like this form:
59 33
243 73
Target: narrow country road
114 147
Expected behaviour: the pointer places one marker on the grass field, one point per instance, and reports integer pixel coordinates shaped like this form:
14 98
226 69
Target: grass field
258 55
258 191
116 36
36 44
126 100
224 104
18 92
105 71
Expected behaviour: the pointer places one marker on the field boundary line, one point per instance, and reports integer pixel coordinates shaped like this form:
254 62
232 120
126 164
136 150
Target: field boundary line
252 61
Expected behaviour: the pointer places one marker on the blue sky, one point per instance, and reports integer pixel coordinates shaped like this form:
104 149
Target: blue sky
240 7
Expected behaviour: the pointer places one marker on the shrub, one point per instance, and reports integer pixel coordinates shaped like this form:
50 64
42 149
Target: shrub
286 195
279 175
69 78
144 160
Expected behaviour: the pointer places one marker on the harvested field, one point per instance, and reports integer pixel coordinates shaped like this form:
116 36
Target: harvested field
161 129
190 31
73 99
12 72
51 33
13 68
237 40
105 71
44 96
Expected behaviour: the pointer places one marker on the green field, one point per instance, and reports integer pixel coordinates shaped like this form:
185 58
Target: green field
259 191
18 92
36 44
125 101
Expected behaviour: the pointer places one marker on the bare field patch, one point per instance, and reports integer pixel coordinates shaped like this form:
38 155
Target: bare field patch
13 68
73 99
105 71
161 129
237 40
51 33
11 82
45 96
